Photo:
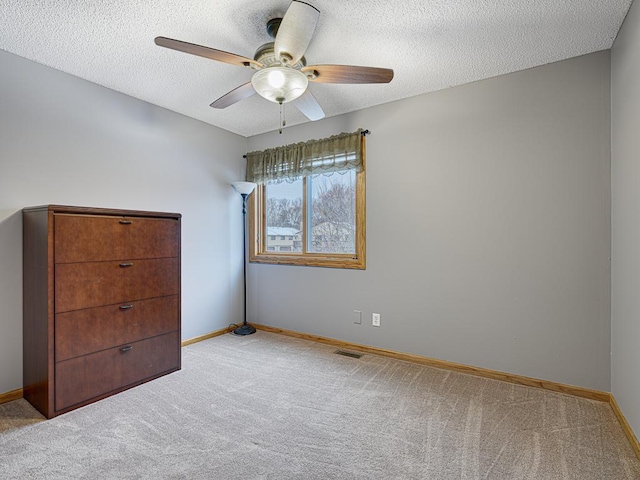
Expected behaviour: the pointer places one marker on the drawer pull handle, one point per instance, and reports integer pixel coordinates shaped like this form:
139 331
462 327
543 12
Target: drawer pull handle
126 349
125 265
125 222
125 307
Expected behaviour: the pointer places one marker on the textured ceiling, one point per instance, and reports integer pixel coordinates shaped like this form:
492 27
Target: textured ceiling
430 44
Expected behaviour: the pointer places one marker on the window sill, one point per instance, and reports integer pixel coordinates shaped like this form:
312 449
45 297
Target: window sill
319 260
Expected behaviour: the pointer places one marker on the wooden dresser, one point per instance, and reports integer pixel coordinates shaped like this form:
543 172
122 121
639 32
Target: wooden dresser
101 303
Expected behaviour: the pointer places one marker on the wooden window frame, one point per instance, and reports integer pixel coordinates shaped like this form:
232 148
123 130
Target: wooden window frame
257 233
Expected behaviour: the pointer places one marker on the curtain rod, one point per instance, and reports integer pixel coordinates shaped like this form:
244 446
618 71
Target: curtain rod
364 133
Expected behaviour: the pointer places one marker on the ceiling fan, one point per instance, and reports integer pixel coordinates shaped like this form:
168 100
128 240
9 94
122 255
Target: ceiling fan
281 71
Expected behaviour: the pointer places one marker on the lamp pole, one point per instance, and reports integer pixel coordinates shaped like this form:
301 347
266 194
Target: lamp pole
244 189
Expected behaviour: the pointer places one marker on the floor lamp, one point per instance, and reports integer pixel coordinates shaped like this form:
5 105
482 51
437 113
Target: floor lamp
244 189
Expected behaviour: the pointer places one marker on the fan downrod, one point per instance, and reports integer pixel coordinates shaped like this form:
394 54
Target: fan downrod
272 27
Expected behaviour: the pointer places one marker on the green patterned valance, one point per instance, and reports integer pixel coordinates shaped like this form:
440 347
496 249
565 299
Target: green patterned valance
338 153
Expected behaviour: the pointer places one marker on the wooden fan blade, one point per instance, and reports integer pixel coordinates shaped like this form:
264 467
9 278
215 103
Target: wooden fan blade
347 74
309 106
295 31
234 96
206 52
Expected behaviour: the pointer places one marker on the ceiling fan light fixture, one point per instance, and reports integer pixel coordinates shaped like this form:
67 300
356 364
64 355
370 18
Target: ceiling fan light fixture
279 84
276 78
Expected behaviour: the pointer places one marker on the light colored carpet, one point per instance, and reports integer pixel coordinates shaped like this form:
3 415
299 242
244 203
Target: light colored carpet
18 414
272 407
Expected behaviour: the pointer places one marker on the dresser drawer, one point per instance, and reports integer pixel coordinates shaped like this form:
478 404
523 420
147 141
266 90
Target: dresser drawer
86 331
95 284
83 378
86 238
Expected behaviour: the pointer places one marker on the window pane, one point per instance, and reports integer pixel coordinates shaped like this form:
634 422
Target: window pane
332 213
284 216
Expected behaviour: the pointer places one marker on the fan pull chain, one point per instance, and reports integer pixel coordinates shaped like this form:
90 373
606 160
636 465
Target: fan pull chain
283 121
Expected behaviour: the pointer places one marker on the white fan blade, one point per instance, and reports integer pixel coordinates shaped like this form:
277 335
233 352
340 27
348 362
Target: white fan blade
235 95
295 31
309 106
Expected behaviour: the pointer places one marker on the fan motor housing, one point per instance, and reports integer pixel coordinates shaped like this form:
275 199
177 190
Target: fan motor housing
266 55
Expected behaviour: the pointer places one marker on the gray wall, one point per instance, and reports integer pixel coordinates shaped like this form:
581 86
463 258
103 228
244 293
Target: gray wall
67 141
625 208
488 228
487 214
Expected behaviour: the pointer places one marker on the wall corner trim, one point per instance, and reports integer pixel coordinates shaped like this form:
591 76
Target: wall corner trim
11 396
206 336
633 440
446 365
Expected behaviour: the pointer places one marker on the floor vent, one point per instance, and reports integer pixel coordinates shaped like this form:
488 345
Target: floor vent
348 354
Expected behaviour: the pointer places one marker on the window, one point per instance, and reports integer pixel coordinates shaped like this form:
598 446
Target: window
316 214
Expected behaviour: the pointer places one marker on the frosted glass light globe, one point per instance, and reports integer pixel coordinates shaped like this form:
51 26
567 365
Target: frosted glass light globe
279 84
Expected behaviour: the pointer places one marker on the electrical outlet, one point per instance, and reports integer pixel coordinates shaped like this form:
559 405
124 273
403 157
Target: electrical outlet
357 317
375 320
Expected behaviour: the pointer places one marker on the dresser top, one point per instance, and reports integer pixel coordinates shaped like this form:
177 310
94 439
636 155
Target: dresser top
100 211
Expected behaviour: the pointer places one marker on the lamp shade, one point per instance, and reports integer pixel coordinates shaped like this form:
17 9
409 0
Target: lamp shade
279 84
244 188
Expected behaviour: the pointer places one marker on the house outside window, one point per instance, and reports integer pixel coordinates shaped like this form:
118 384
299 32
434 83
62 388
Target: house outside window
281 239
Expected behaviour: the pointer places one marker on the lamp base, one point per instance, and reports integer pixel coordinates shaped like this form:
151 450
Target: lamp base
245 329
